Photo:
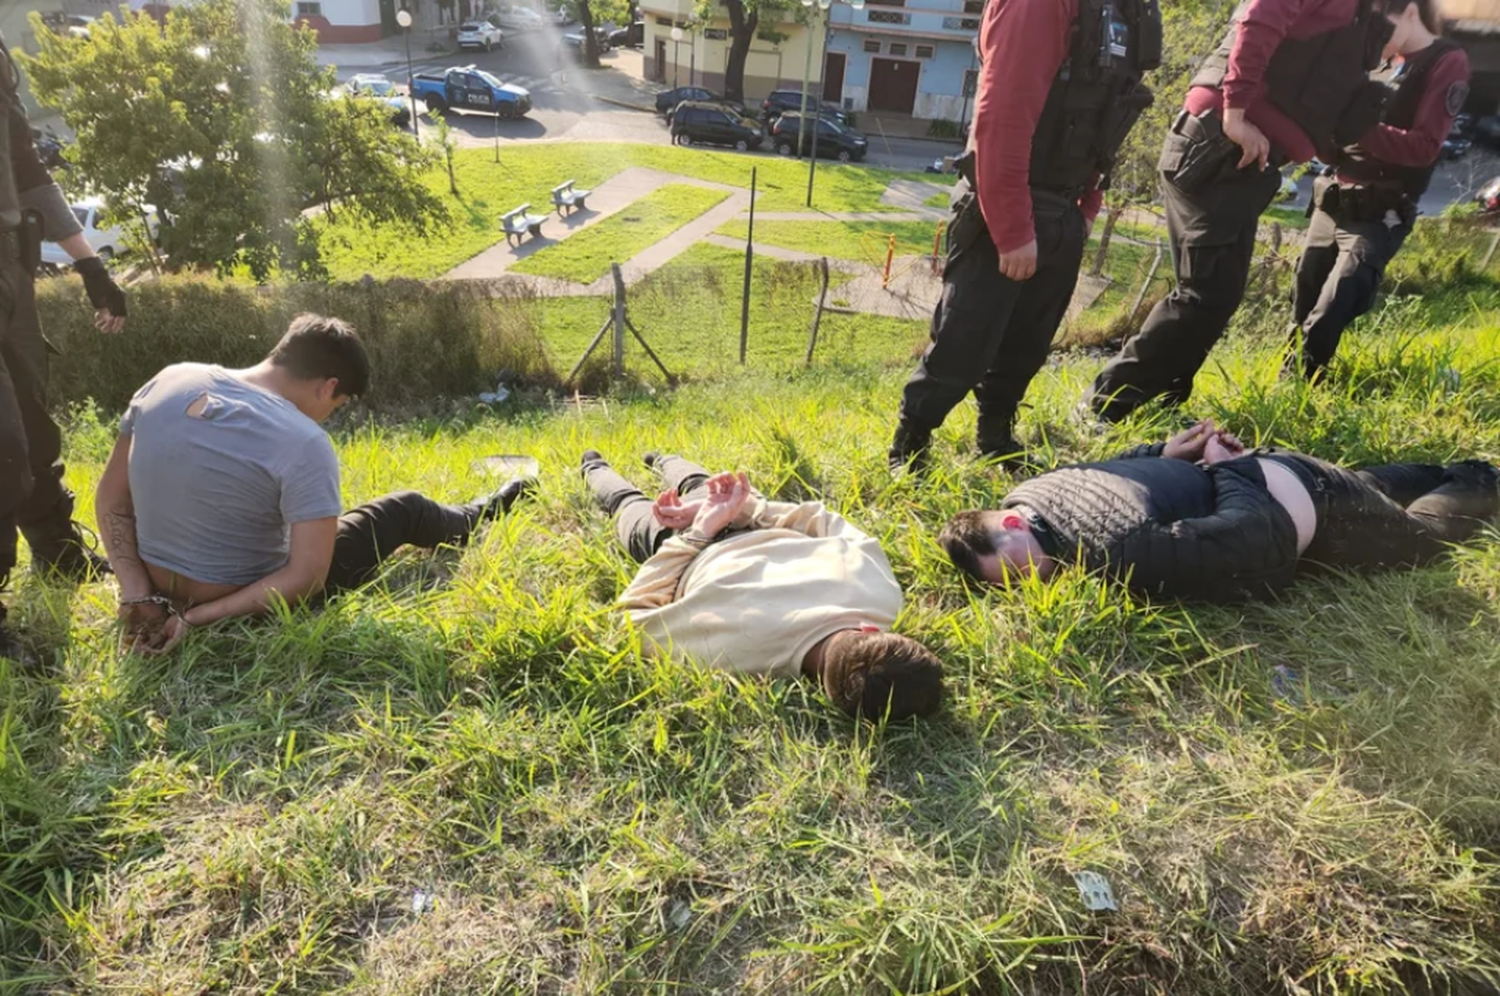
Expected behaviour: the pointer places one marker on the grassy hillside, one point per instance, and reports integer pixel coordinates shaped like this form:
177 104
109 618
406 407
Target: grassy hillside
466 780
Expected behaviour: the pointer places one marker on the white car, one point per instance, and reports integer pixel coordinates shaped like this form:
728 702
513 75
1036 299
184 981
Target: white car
108 240
480 34
521 19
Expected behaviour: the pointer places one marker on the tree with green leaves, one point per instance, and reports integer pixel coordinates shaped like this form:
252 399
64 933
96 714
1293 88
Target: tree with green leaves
745 18
222 119
589 13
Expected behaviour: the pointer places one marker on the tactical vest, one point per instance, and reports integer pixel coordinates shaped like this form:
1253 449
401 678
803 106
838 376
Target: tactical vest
10 105
1408 87
1098 95
1321 82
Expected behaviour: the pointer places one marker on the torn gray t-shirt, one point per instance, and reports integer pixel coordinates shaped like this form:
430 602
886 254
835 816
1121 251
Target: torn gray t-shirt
218 488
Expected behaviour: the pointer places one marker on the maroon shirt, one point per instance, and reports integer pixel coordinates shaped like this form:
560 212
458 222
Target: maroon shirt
1261 29
1420 144
1022 46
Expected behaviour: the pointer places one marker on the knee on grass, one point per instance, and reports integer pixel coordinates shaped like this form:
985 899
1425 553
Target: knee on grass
883 676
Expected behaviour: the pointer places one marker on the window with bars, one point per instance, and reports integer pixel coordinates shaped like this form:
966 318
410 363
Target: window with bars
887 17
871 45
310 10
971 83
898 48
924 51
960 24
973 6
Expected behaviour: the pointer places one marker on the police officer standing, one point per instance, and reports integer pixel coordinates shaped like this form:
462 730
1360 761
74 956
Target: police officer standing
1365 211
32 496
1059 89
1290 81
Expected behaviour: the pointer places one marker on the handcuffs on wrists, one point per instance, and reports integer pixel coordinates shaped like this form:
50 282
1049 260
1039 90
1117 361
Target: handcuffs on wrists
161 600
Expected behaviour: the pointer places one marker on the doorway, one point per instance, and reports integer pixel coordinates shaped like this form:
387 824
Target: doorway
893 85
833 77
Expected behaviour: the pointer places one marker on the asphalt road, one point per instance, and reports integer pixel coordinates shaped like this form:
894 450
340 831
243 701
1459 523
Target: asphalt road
533 61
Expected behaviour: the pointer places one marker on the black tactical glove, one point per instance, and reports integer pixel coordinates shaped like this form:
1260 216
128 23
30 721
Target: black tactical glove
102 290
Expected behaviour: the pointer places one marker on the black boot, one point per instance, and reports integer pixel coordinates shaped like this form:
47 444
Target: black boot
492 506
65 550
909 449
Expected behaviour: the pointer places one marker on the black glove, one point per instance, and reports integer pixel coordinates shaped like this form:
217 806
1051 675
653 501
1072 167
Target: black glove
102 290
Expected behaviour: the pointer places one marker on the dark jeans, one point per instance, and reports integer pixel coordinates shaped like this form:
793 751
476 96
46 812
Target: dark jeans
1397 515
31 493
991 334
1212 233
1337 279
637 528
370 534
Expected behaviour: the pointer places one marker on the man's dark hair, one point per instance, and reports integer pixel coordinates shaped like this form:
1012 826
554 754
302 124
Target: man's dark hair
882 676
316 348
966 538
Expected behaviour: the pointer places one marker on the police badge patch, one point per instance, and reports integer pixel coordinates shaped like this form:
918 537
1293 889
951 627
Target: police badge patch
1457 94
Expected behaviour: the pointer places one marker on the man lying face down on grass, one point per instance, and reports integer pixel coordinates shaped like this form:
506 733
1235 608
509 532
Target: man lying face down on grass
761 587
1199 518
222 493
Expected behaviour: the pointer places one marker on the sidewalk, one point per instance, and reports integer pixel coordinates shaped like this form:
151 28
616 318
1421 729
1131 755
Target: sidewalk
620 81
388 51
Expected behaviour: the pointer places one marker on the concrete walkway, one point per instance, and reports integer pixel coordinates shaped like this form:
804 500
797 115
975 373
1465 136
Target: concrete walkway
819 216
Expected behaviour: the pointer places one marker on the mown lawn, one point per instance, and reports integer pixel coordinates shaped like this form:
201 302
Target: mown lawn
466 779
584 257
527 173
865 241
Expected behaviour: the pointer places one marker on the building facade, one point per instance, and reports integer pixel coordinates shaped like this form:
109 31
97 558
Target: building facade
913 57
779 57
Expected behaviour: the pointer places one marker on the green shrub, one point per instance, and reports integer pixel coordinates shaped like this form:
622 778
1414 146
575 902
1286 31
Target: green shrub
425 340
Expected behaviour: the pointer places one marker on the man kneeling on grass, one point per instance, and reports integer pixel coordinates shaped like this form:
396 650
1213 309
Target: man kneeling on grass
761 587
1199 518
222 493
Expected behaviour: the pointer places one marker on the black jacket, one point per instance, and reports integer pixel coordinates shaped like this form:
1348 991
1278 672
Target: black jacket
1168 527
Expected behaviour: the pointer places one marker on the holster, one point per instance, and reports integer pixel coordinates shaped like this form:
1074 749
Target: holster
1361 205
1200 152
968 221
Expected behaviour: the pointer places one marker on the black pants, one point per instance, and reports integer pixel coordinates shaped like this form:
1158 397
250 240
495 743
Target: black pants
637 528
32 497
1397 515
1337 279
1212 234
991 334
370 534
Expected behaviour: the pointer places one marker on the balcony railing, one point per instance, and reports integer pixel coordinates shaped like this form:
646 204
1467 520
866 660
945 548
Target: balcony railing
888 17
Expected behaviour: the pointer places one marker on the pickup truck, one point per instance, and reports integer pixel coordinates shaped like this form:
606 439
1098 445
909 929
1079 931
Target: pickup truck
465 88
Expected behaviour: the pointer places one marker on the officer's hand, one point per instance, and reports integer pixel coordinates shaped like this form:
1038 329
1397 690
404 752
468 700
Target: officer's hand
1254 146
1019 264
104 294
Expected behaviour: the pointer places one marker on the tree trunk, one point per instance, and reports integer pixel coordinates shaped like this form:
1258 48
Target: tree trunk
741 32
1109 230
590 43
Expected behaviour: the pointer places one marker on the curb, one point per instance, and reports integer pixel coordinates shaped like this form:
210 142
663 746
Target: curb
628 105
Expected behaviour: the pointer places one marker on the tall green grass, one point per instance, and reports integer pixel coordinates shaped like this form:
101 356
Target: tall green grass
1297 797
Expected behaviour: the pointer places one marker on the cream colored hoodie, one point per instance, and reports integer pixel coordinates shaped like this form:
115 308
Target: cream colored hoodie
758 601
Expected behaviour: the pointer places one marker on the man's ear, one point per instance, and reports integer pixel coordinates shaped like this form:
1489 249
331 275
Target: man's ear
1013 521
328 389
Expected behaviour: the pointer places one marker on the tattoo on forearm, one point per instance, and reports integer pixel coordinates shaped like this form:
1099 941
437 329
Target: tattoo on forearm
119 538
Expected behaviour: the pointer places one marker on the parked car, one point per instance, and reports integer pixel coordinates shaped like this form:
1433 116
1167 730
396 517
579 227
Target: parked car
714 124
520 20
375 86
76 25
480 34
630 36
601 40
1488 197
779 102
667 102
469 89
105 234
834 140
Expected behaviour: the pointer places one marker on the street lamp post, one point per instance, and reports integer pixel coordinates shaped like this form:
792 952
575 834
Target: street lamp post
826 6
404 18
676 47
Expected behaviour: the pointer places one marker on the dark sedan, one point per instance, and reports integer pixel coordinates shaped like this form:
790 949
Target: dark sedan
667 101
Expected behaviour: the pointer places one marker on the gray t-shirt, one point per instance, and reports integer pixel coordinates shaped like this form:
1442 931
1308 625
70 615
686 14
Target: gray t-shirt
217 489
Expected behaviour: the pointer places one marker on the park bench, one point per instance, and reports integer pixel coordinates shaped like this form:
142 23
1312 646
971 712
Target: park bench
517 223
564 196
